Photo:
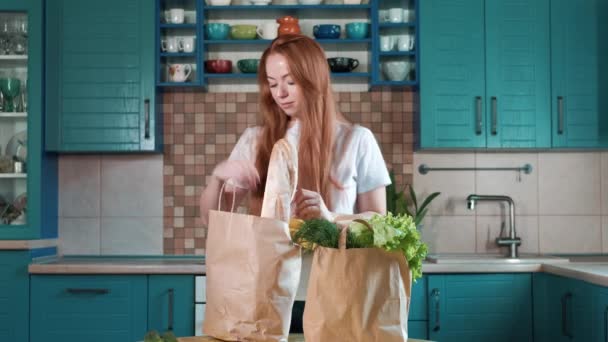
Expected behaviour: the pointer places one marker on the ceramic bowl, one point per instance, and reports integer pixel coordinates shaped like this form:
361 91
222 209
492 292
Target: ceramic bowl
248 66
218 2
243 32
359 30
342 64
218 66
309 2
327 31
217 31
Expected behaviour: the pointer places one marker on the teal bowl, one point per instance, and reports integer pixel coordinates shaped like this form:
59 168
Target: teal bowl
248 66
217 31
357 30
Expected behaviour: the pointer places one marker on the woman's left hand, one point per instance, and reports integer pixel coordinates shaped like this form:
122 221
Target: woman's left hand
310 204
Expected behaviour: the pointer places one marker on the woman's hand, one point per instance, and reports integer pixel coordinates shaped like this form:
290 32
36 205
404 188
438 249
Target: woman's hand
242 174
310 204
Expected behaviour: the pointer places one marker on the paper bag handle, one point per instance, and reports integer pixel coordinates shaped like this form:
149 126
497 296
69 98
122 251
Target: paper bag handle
344 232
219 200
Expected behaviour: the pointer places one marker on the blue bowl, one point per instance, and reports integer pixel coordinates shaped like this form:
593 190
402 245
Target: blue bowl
217 31
357 30
327 31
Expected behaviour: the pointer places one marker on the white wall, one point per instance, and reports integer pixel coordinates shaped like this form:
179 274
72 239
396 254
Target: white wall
561 207
110 204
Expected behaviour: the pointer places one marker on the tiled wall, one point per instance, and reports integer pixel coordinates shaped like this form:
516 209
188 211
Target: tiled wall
202 128
110 204
561 207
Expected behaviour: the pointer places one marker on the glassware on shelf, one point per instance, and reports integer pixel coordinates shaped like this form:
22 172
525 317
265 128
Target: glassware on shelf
10 88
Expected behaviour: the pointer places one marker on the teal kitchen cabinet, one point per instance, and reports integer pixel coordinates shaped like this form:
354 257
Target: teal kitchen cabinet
171 304
480 307
100 76
600 314
485 75
563 309
579 49
76 308
28 197
418 314
14 292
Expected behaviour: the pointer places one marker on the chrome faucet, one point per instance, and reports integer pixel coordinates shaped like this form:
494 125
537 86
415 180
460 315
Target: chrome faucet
511 241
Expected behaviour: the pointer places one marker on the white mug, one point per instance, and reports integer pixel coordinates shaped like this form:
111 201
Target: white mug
179 72
171 44
176 16
387 42
407 15
187 44
405 42
268 30
395 15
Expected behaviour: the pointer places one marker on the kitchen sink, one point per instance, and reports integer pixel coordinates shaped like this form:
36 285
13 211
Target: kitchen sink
493 259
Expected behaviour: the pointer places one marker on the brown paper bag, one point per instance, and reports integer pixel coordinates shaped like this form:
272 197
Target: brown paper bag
253 271
357 295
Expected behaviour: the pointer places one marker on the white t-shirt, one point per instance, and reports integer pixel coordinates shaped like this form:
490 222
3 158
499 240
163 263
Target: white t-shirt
361 169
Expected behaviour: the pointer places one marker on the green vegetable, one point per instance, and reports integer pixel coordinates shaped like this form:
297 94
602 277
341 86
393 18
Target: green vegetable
395 233
317 231
397 204
152 336
168 336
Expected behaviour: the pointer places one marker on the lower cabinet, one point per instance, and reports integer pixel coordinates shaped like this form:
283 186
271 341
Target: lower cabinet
14 295
480 307
99 308
563 309
418 314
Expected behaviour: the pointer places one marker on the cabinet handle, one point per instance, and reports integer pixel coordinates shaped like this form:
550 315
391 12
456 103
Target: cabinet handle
171 302
147 119
565 298
560 115
606 324
435 294
478 115
494 115
86 291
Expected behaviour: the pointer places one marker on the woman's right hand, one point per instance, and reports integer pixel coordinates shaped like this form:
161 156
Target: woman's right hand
241 173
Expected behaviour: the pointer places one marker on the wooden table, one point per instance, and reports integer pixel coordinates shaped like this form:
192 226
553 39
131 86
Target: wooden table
292 338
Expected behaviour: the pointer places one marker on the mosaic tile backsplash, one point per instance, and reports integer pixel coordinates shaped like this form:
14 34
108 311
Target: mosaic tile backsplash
200 130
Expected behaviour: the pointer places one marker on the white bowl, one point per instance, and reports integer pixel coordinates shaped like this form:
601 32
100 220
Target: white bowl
260 2
218 2
309 2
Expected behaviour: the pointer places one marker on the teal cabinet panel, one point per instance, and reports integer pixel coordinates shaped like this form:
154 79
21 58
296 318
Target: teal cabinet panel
517 74
101 96
171 304
14 295
418 305
579 49
452 76
480 307
88 308
563 309
417 329
600 314
39 181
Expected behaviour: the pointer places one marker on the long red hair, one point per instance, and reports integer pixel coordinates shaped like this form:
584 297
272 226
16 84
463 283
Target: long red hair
309 70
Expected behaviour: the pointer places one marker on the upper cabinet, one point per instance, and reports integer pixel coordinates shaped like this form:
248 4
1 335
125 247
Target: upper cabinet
485 78
28 176
100 76
579 48
219 42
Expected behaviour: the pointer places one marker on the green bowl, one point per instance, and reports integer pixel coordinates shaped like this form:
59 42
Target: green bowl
243 31
248 66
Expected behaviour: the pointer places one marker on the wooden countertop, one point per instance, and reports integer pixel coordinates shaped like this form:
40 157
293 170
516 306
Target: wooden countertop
119 265
26 244
292 338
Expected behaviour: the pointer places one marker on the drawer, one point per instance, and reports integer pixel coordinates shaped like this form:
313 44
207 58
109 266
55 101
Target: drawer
88 308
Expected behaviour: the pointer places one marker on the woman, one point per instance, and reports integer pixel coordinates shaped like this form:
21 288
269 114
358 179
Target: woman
340 167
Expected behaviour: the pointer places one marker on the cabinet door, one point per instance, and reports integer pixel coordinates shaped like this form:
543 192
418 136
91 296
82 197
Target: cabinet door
579 49
517 74
88 308
600 314
14 295
100 76
418 303
488 307
171 304
452 87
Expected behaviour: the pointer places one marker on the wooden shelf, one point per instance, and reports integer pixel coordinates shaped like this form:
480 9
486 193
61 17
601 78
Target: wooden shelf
13 115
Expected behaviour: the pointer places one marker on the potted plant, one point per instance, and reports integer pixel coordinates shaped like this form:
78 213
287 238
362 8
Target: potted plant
397 203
